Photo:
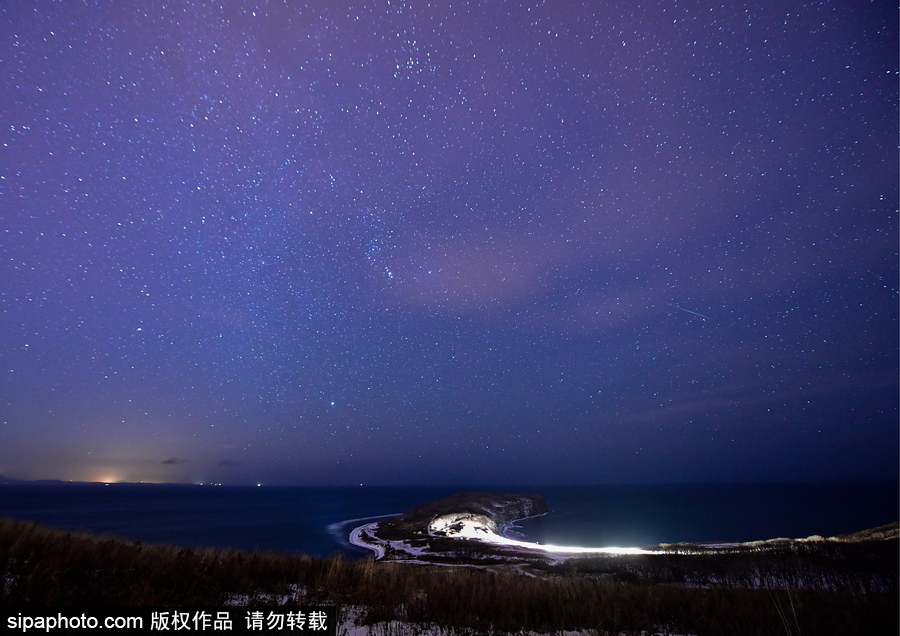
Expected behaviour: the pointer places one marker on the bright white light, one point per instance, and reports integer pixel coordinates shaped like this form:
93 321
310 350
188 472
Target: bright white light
478 527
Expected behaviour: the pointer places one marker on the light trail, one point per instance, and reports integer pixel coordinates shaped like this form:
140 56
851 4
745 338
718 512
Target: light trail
691 312
467 526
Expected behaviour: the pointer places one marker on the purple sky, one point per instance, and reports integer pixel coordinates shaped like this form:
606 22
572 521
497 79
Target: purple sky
448 242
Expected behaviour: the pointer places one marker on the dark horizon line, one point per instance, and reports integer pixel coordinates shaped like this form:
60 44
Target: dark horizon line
755 482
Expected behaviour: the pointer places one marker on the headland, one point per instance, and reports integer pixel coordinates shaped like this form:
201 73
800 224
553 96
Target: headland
471 529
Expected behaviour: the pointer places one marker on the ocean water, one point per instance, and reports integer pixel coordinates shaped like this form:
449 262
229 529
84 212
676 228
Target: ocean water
636 516
318 520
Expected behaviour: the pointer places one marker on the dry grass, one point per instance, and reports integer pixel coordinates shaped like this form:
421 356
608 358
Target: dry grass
42 566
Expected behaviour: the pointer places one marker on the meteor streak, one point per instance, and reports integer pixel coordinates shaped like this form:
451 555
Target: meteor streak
691 312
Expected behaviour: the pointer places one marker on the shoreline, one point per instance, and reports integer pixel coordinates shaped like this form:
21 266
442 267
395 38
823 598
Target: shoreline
473 529
481 518
359 535
356 538
835 589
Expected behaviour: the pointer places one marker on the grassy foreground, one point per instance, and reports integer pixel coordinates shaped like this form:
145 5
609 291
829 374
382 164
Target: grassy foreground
48 567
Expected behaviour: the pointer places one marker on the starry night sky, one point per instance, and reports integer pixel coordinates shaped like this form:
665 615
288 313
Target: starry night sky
448 242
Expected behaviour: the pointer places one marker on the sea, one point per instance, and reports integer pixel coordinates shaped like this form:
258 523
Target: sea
318 520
